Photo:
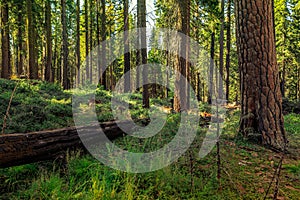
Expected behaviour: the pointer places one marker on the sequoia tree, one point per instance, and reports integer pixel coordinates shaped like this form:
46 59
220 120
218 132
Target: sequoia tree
260 85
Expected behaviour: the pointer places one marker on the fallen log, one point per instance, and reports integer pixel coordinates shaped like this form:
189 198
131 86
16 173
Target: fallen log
24 148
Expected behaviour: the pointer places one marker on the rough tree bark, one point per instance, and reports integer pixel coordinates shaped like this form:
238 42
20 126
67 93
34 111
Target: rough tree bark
260 85
5 40
180 92
31 46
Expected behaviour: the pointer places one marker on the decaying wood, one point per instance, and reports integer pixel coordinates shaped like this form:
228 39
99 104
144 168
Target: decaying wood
24 148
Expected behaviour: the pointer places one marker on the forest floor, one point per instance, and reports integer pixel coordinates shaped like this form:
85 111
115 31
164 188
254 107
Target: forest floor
247 169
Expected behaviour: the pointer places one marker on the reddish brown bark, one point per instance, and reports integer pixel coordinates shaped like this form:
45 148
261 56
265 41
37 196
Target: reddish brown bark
260 85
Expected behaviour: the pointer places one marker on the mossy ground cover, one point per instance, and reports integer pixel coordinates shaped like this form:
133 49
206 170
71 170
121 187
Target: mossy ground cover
247 168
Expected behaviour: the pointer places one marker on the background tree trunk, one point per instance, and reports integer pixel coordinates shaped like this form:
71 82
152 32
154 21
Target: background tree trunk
91 11
31 34
78 63
211 68
103 38
228 47
126 48
142 17
221 58
48 67
20 59
86 26
65 53
5 72
260 84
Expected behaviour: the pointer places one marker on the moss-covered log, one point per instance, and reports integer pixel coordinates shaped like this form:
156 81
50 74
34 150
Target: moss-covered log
24 148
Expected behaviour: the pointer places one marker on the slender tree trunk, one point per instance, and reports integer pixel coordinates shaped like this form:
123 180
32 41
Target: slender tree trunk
167 74
138 57
48 67
187 61
98 39
228 47
91 39
103 38
283 70
65 53
298 83
142 22
20 59
33 69
78 63
5 41
126 48
211 69
260 84
86 26
221 58
110 51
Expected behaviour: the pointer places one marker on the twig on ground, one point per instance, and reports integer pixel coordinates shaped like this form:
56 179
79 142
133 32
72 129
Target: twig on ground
277 175
8 108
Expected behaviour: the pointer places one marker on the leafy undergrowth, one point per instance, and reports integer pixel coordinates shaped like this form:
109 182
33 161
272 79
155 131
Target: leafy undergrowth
38 105
35 106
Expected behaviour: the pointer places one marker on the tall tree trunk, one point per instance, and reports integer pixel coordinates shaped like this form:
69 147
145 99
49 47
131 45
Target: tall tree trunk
260 84
187 62
103 38
221 58
33 69
98 39
86 26
180 92
167 73
142 17
78 63
20 59
211 69
65 53
48 67
228 47
91 11
5 41
138 56
126 48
